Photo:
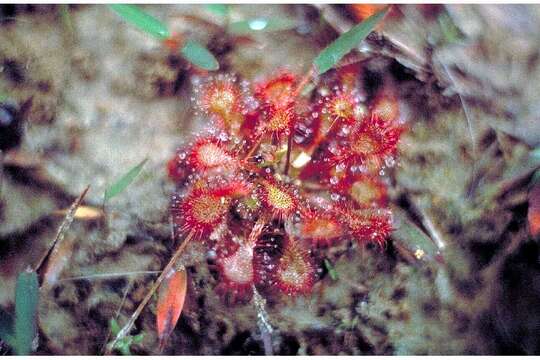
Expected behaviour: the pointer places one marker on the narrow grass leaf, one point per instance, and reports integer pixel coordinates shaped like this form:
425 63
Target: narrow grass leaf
199 56
247 27
26 302
121 184
218 9
67 21
115 328
450 31
141 19
171 297
331 270
333 53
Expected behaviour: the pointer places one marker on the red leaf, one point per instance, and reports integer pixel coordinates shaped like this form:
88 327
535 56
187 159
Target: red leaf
533 215
172 294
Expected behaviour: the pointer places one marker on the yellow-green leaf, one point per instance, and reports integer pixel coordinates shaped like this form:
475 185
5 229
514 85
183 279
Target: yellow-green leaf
199 56
334 52
122 183
331 270
144 21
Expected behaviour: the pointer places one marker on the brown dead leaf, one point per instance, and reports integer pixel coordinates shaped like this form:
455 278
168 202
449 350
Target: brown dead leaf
58 259
83 213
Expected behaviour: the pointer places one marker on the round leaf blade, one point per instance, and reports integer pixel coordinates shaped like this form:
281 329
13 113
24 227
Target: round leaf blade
199 56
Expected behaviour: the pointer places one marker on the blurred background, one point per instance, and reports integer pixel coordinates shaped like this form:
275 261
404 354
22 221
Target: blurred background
85 97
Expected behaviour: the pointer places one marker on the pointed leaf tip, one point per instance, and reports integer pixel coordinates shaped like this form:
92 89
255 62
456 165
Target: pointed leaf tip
334 52
122 183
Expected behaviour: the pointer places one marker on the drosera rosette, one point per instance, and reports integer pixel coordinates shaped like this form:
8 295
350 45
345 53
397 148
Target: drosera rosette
285 169
269 227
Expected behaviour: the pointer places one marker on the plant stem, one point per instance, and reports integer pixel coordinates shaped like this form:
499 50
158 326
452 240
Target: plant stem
255 146
289 149
109 275
262 322
68 220
305 80
126 329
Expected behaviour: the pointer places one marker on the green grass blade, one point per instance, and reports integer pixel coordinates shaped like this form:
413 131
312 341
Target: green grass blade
450 32
334 52
218 9
144 21
198 55
331 270
26 302
122 183
251 26
67 21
